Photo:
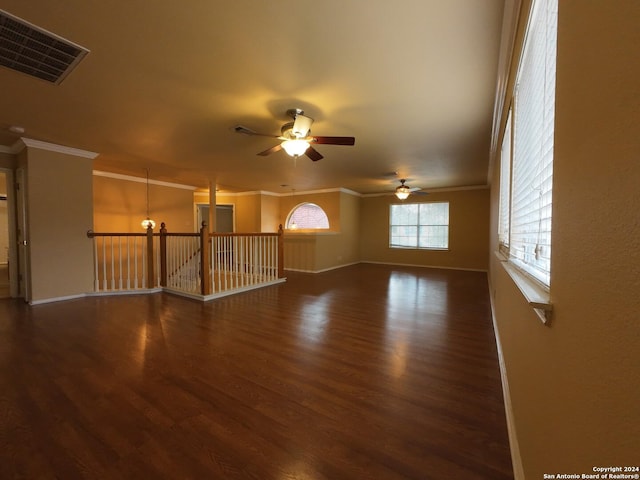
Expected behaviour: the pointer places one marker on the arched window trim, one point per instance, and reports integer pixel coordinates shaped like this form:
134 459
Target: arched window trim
305 228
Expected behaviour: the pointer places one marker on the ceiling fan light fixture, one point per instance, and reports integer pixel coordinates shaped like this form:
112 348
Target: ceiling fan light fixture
301 126
295 148
403 192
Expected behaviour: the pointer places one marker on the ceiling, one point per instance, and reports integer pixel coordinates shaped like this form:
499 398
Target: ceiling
164 84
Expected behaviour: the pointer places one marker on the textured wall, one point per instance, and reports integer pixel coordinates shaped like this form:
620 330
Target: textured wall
468 231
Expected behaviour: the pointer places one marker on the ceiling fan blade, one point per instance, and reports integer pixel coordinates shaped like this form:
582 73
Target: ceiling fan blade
334 140
247 131
313 154
414 189
274 149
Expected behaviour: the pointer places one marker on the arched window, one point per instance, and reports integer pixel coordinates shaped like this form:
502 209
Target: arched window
307 215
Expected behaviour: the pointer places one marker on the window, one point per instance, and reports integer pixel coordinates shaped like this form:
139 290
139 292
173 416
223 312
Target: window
505 187
419 225
527 149
307 215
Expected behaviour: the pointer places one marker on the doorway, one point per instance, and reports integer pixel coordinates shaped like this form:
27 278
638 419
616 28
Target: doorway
4 237
224 217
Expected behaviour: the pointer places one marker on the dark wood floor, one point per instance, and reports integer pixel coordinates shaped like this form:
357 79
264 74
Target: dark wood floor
367 372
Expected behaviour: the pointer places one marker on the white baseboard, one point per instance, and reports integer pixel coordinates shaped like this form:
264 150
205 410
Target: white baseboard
112 293
425 266
57 299
516 459
322 270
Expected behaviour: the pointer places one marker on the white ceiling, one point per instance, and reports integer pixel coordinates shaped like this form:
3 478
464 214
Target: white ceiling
165 82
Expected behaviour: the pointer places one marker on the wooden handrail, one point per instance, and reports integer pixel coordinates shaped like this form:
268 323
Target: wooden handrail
92 234
206 237
258 234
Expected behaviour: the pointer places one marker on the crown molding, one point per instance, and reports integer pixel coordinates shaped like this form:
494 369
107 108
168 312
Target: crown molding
24 142
273 194
14 149
130 178
434 190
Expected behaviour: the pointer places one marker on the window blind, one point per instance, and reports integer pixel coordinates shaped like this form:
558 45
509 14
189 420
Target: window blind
532 169
419 225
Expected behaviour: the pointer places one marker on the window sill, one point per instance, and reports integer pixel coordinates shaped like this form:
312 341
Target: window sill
428 249
535 294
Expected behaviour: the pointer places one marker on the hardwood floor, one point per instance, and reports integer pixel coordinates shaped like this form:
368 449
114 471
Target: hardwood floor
367 372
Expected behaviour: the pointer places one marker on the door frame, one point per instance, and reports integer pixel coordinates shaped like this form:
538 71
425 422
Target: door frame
22 234
12 216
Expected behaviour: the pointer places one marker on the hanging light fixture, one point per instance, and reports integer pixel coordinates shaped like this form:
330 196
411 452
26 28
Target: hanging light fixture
296 147
147 223
402 192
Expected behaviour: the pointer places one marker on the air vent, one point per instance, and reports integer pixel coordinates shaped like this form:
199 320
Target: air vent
36 52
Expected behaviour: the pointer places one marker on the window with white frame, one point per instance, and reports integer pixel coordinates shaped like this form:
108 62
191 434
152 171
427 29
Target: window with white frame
419 225
527 149
307 216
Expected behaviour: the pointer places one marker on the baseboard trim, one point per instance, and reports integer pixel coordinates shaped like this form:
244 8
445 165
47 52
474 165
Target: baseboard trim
57 299
514 446
322 270
426 266
113 293
213 296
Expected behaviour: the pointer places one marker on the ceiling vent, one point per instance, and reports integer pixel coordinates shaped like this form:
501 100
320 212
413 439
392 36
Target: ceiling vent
36 52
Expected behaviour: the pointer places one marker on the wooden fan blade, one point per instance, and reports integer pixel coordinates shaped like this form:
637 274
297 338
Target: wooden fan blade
334 140
274 149
313 154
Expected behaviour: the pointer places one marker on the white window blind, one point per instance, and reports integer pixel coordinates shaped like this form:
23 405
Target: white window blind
419 225
532 169
505 186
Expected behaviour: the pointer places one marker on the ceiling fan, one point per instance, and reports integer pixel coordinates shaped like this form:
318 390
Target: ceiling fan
403 191
296 137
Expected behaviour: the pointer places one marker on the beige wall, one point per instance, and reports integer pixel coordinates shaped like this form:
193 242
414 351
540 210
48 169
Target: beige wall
335 247
59 203
247 210
468 231
345 249
574 385
270 213
120 205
